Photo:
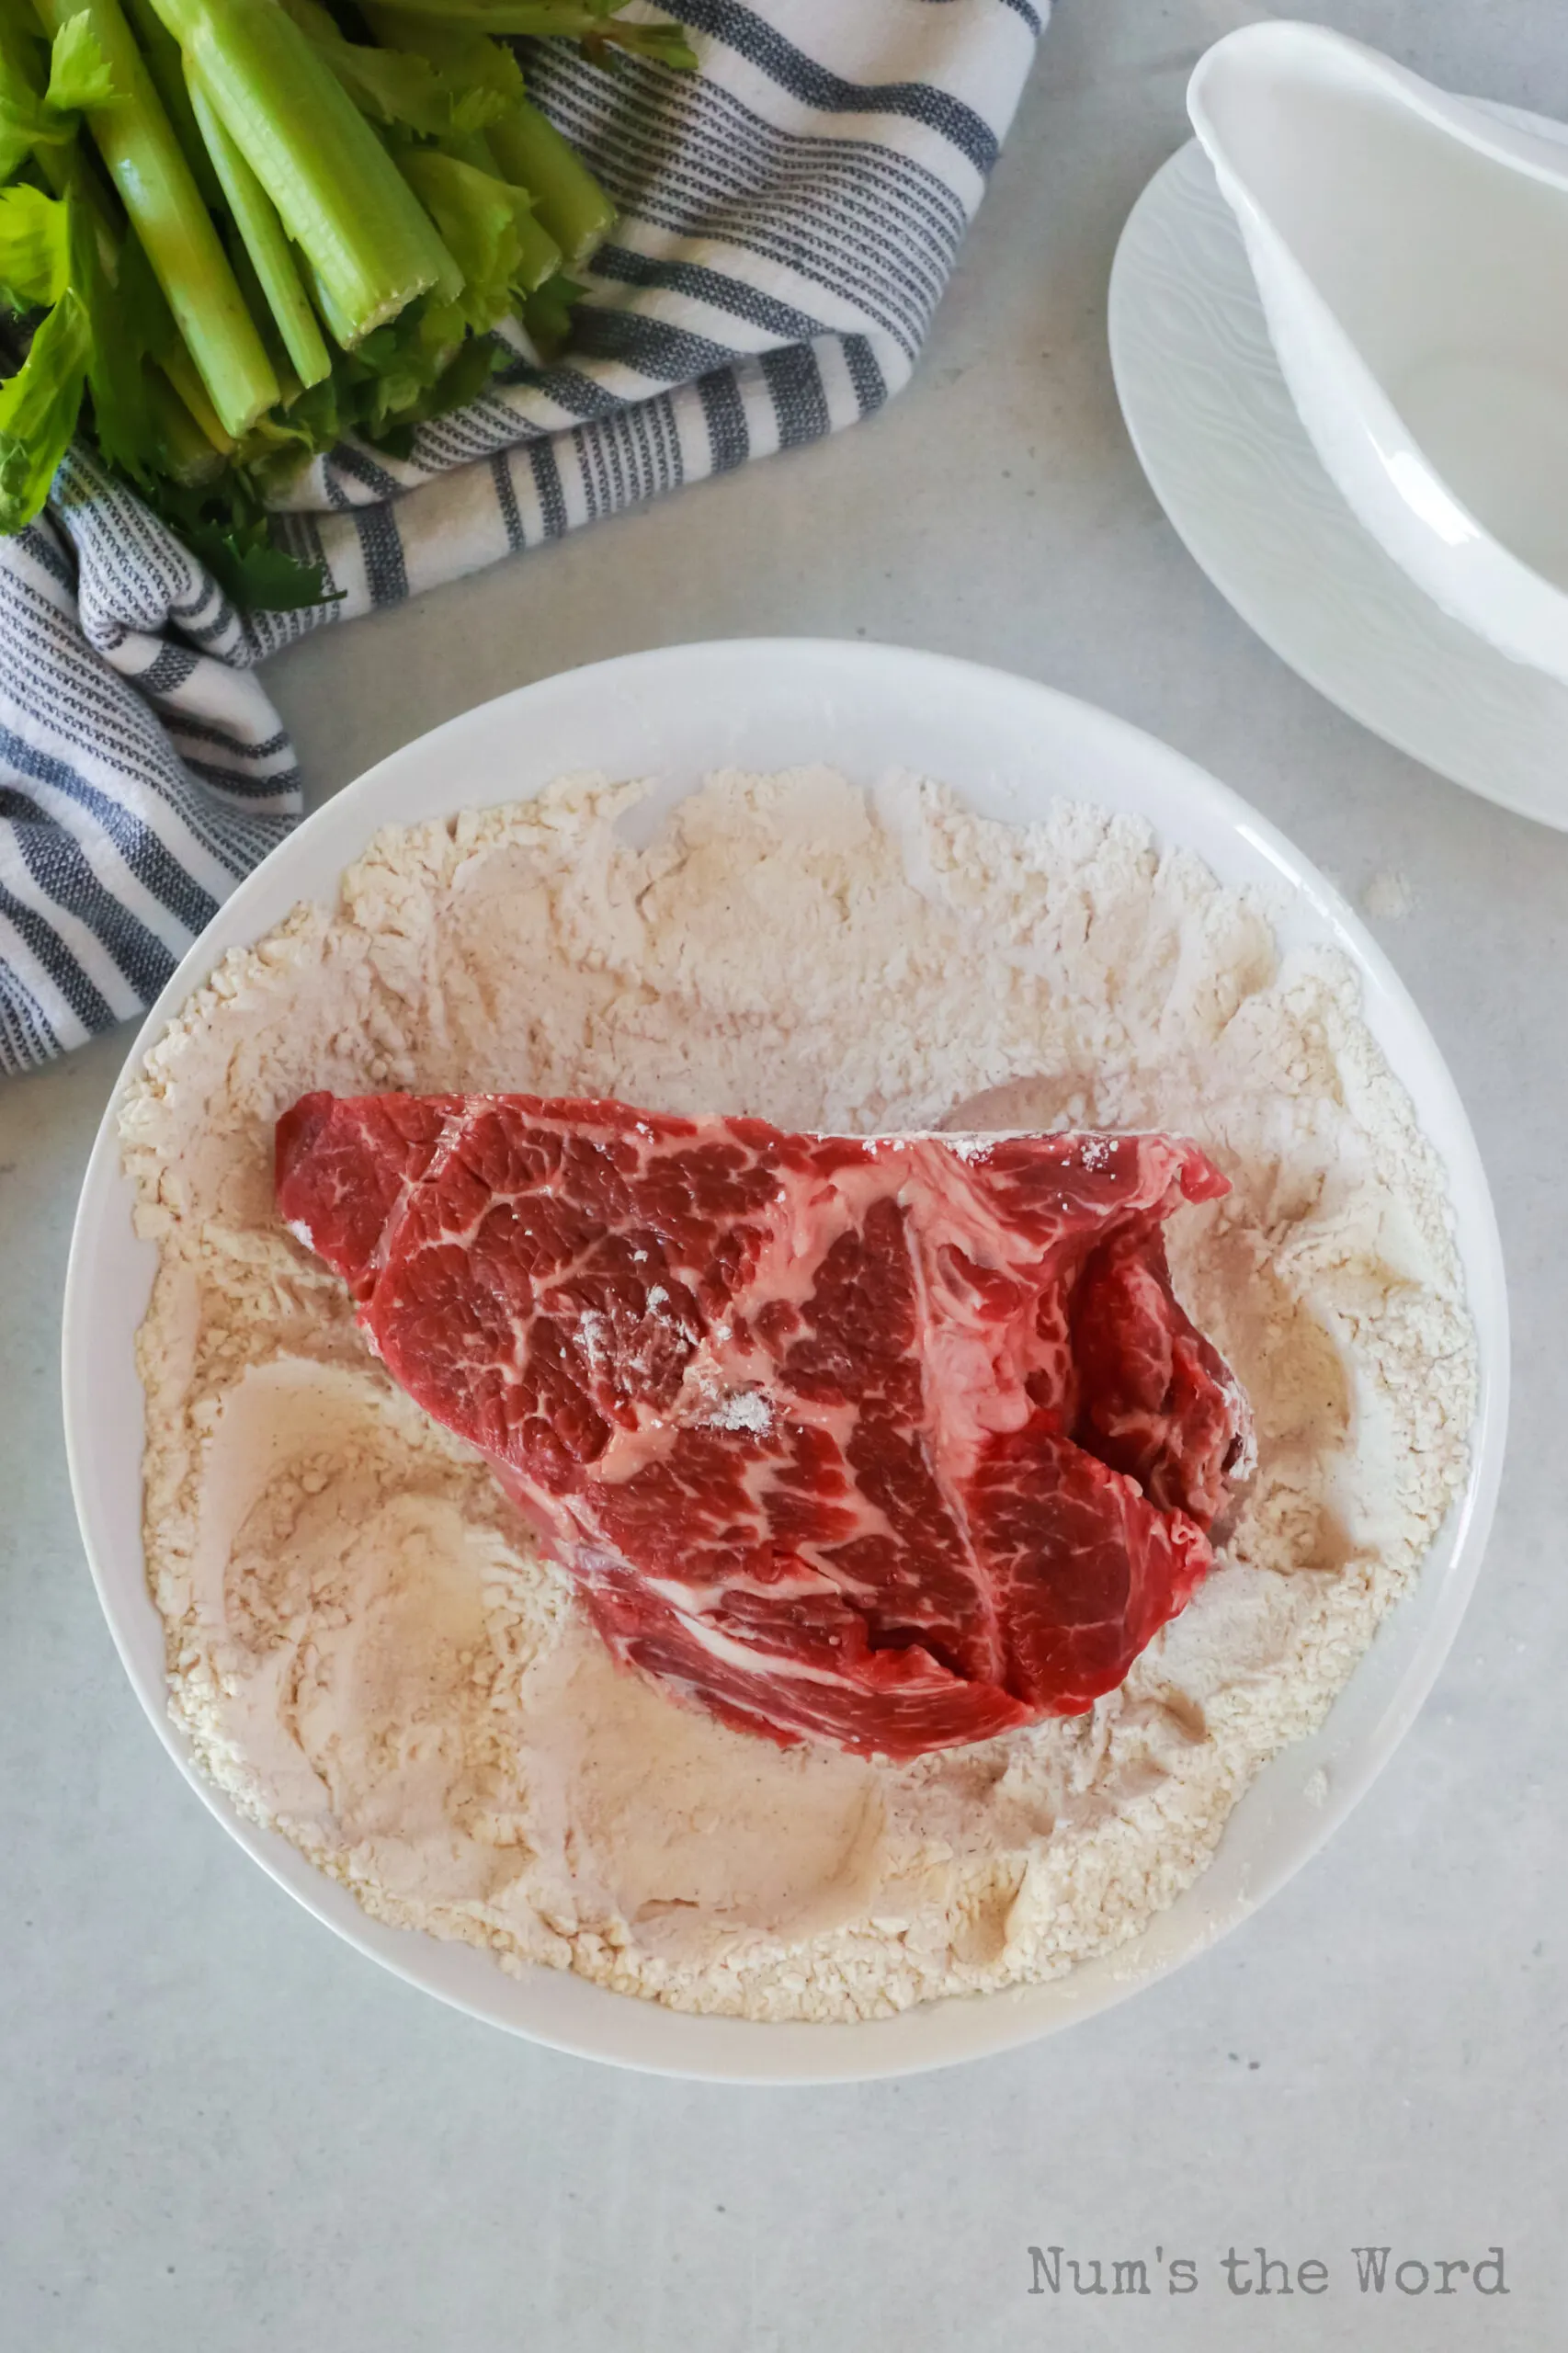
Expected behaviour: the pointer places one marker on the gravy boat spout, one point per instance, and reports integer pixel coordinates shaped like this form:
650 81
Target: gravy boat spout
1411 252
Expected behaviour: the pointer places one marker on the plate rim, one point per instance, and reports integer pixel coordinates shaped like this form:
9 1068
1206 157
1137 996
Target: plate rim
746 2050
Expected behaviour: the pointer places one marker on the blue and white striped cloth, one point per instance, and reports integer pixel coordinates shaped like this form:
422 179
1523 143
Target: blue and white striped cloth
789 216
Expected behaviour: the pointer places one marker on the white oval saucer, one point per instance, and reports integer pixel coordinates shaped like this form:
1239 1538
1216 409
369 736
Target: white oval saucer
1228 459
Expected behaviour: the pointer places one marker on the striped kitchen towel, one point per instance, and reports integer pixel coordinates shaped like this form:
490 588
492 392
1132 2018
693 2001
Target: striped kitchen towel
789 216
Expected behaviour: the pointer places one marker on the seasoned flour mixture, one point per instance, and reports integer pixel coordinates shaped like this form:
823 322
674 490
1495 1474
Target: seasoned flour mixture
364 1645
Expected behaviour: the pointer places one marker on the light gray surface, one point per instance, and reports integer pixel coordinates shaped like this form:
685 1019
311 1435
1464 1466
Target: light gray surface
217 2124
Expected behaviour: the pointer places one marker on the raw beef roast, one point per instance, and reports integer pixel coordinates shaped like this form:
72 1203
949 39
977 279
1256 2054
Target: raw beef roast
895 1442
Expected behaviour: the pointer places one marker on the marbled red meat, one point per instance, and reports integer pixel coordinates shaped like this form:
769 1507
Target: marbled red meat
896 1443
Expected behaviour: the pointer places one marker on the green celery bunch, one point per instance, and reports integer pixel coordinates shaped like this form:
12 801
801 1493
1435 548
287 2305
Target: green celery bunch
242 230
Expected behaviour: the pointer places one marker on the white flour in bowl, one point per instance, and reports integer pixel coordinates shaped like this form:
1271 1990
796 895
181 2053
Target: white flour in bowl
363 1642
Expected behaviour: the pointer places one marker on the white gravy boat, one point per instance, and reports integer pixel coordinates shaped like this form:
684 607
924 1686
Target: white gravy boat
1410 251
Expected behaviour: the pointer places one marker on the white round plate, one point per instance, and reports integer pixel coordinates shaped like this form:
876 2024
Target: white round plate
1010 747
1229 459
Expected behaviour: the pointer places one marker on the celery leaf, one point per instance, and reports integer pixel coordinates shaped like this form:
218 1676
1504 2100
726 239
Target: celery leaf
80 75
35 248
39 408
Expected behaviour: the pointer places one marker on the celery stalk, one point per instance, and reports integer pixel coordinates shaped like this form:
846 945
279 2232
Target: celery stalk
339 324
161 53
256 219
341 198
188 453
539 255
176 365
569 201
143 158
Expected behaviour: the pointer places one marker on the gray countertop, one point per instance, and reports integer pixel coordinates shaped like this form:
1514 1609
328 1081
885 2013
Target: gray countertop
219 2125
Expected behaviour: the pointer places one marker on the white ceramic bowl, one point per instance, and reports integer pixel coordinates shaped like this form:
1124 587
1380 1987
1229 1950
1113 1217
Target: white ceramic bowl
1009 746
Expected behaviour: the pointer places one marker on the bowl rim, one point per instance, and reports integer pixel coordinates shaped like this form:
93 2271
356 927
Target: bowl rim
644 2035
